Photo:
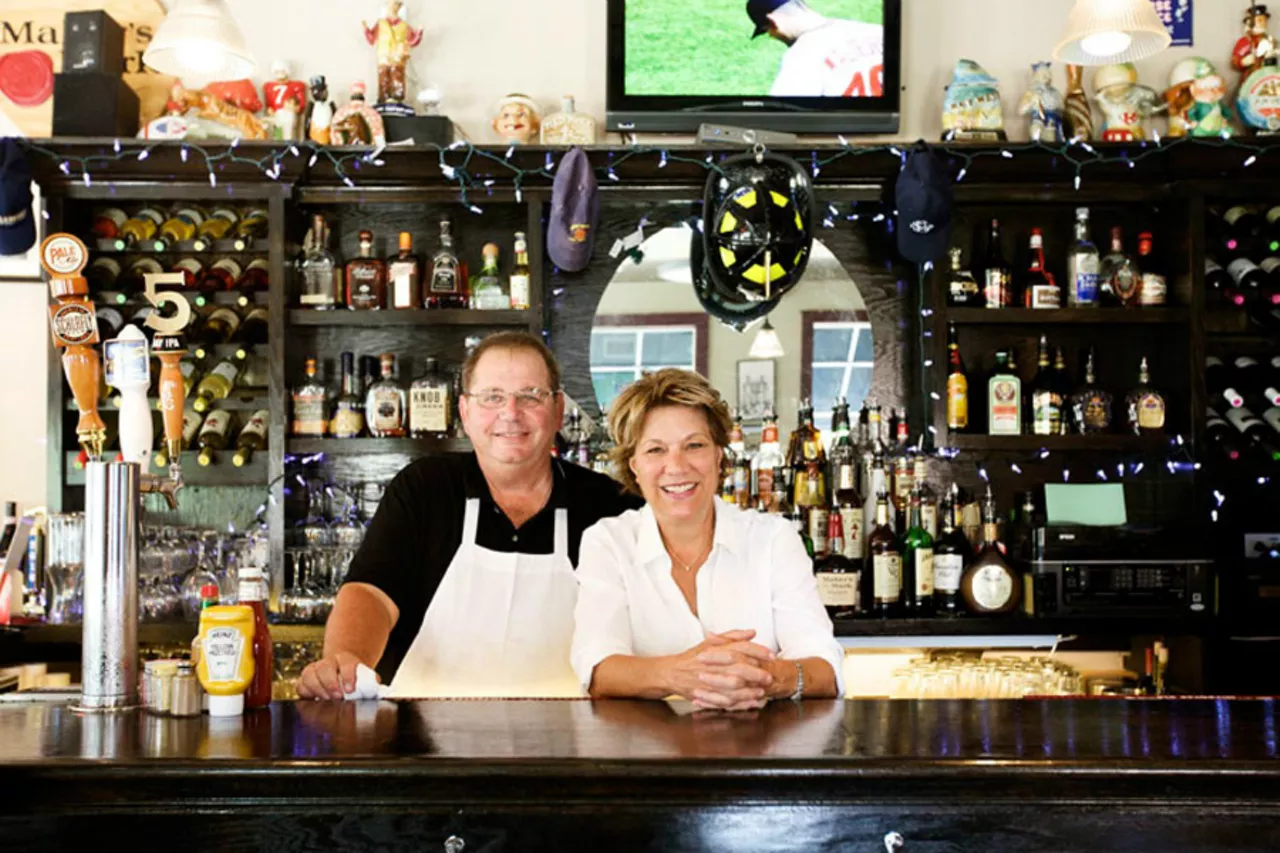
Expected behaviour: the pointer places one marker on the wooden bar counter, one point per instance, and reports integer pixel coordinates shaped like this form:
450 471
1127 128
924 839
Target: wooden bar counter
948 776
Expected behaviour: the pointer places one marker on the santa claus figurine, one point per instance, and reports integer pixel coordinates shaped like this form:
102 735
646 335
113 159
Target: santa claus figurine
1256 47
286 102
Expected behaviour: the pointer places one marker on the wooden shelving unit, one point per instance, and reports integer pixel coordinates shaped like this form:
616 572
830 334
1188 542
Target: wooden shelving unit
1059 443
1074 316
419 317
412 446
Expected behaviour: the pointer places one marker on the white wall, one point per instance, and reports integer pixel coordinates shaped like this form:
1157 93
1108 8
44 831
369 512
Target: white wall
479 50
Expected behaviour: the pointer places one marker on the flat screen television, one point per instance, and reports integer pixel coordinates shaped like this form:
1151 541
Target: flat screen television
803 66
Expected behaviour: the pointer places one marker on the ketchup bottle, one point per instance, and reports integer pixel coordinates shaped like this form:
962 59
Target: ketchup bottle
252 589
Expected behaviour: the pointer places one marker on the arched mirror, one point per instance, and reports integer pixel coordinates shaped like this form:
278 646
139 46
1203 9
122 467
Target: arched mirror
650 317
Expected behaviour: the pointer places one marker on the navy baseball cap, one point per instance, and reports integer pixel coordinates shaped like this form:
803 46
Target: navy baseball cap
760 10
575 212
17 220
924 200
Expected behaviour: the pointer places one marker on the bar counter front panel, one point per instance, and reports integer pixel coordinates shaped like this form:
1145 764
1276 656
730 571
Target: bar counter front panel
1052 775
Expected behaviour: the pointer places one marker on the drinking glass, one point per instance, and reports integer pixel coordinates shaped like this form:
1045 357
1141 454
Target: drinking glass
65 567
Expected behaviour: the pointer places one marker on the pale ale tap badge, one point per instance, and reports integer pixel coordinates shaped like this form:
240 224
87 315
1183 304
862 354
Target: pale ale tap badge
75 331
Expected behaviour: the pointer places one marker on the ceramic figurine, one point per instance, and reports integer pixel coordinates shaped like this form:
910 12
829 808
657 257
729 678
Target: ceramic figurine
1079 110
319 111
517 120
1196 100
216 115
1043 104
971 110
357 123
1255 48
1126 104
568 127
285 102
392 39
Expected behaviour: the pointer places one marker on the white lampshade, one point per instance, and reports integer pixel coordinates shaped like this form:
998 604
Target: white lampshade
1100 32
767 343
199 42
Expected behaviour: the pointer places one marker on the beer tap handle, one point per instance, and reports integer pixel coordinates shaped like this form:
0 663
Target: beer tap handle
128 361
75 330
169 346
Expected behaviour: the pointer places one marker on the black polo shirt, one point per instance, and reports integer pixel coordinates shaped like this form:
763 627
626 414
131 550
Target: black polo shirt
418 528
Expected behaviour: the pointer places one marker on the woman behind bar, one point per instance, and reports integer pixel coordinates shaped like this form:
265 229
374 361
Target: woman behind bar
692 596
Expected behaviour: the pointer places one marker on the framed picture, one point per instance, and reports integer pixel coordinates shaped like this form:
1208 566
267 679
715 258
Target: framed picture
757 381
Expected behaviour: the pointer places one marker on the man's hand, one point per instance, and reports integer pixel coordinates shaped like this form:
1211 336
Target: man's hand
329 677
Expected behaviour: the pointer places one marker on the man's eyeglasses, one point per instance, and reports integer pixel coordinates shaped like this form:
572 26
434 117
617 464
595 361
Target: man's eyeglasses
529 398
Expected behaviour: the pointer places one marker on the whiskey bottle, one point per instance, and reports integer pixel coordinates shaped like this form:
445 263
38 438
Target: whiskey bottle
348 409
1004 397
998 284
767 466
848 505
216 226
1082 265
252 438
1145 405
317 268
213 435
838 576
521 280
366 278
877 484
181 225
928 501
447 287
487 292
990 585
384 407
808 460
216 385
139 228
1153 288
1040 290
1046 399
950 553
430 404
917 561
1119 277
957 386
568 127
310 406
962 287
1062 390
1091 405
884 563
404 273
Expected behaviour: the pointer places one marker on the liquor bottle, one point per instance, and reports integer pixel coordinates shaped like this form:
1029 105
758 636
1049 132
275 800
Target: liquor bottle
917 561
250 227
310 406
1220 282
878 484
1040 290
139 228
1062 391
216 384
568 127
348 410
107 222
1262 437
767 465
796 518
181 225
487 291
901 430
903 483
521 280
1218 379
404 275
928 501
252 437
366 278
213 435
998 283
957 386
808 460
847 503
1004 397
317 268
1222 437
1153 288
884 563
216 225
1145 405
962 287
222 275
1118 276
253 328
1082 265
838 576
448 285
578 450
1091 405
950 553
736 447
221 325
990 585
1045 399
384 407
430 403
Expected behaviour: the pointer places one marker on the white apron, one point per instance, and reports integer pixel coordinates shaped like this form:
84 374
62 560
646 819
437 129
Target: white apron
499 625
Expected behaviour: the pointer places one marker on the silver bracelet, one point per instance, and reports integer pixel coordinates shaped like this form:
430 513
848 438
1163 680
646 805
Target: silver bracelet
799 694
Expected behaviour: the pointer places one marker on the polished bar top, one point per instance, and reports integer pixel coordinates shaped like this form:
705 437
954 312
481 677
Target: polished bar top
874 748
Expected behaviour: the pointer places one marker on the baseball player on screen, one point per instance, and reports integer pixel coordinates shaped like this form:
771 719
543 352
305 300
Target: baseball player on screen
826 57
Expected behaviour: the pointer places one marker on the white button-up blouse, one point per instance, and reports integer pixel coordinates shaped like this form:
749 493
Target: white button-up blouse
758 576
